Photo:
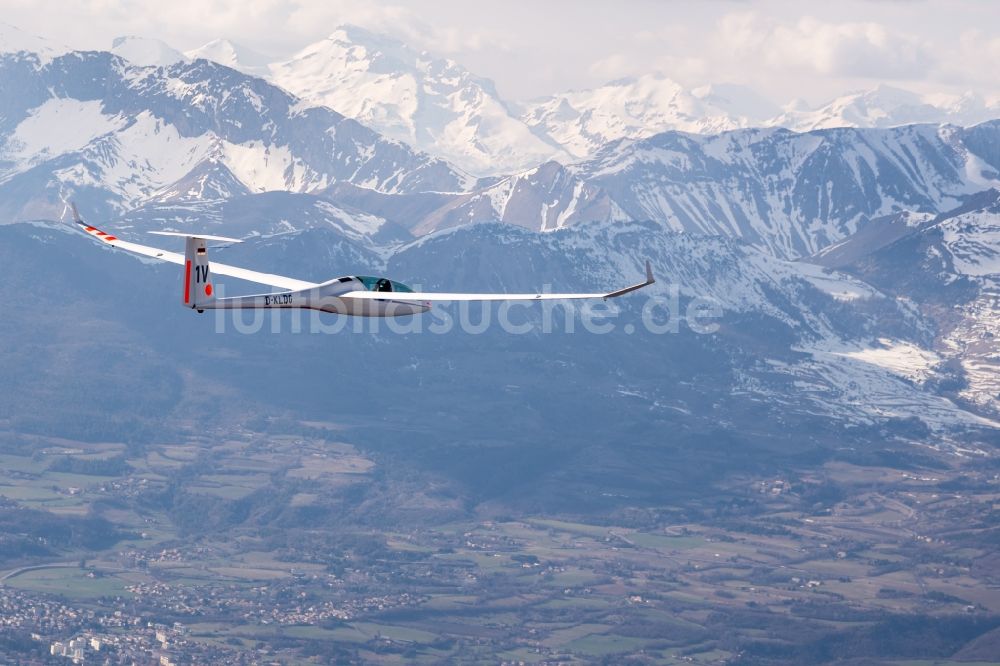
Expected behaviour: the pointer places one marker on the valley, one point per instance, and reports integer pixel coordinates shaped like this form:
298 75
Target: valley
260 536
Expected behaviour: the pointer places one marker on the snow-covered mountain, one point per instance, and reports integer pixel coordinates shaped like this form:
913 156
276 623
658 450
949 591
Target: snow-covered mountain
116 135
788 193
15 40
119 137
546 198
887 106
146 52
949 265
437 106
233 55
792 193
431 103
583 121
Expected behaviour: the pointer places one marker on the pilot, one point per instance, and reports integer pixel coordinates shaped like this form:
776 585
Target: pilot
383 285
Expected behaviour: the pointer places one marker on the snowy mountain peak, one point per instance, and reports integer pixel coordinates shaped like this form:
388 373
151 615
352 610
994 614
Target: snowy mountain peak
738 100
431 103
888 106
582 121
14 40
232 55
146 52
377 45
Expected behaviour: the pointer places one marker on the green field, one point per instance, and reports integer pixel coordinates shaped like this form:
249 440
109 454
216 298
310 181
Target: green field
600 645
664 542
69 581
395 632
596 531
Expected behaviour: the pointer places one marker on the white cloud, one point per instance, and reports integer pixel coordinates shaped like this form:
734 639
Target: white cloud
975 62
684 70
785 48
277 26
399 21
848 50
614 66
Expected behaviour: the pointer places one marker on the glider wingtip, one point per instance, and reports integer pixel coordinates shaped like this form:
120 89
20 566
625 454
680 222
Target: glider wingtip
627 290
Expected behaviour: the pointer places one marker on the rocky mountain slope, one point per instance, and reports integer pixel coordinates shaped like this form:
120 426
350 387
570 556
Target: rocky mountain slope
791 194
949 266
115 135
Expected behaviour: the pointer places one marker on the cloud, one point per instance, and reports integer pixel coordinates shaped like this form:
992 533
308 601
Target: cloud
750 46
399 21
278 26
614 66
974 61
684 70
849 50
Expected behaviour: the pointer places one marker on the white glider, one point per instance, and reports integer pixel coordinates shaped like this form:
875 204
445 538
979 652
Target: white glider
357 295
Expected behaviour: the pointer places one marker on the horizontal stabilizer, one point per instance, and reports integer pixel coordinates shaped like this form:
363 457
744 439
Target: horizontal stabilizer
204 236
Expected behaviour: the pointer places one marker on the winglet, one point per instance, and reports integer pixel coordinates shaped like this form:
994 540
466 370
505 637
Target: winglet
649 280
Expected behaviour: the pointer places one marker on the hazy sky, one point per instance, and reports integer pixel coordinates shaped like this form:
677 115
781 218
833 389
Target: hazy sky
786 50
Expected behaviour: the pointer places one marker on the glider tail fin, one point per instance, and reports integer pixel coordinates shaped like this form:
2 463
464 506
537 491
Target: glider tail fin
199 291
198 288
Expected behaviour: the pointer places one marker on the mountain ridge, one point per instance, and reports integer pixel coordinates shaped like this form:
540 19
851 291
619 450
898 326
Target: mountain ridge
486 134
152 128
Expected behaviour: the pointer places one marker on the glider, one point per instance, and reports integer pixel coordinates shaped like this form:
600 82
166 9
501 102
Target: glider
357 295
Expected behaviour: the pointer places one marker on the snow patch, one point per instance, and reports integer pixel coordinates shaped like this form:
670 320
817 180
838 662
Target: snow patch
57 127
266 168
899 357
973 241
838 285
362 223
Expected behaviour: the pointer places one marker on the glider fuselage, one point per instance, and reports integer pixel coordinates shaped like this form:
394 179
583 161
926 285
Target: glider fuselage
325 297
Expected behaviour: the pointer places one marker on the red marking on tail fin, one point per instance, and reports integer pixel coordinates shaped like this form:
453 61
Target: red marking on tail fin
187 282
